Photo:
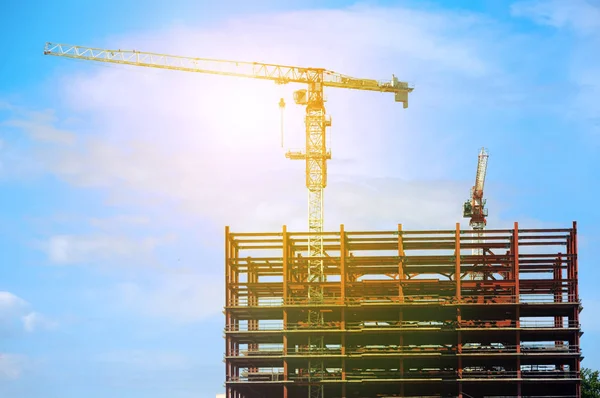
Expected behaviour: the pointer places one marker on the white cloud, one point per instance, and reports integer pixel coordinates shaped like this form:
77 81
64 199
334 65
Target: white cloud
73 249
12 308
583 16
179 297
10 303
585 74
35 321
15 310
40 128
12 366
146 360
119 221
2 146
383 203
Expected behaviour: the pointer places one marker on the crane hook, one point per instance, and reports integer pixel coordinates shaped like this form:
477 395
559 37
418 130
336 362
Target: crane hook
281 107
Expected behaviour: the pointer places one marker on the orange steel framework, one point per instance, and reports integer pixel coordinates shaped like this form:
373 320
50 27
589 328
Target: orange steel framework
397 321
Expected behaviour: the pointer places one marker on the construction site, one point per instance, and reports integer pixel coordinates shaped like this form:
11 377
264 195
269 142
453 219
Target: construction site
404 313
477 312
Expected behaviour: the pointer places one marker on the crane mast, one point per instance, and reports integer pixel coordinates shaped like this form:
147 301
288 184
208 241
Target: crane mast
475 208
315 155
316 180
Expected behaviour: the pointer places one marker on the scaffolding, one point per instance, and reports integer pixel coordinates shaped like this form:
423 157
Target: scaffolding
399 315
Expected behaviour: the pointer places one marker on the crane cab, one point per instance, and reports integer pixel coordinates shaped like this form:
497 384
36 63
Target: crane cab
467 209
300 97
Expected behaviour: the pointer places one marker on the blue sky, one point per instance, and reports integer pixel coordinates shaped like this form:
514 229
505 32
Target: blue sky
117 183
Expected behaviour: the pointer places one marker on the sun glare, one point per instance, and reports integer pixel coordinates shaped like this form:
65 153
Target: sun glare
245 114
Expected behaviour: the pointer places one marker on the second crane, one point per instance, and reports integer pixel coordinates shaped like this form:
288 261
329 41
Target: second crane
475 209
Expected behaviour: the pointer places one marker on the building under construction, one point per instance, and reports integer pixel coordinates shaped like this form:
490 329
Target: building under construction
403 313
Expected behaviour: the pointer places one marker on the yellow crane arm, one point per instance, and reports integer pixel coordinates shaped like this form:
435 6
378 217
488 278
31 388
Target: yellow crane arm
280 74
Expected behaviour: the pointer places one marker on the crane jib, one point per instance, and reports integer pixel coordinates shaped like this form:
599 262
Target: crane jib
281 74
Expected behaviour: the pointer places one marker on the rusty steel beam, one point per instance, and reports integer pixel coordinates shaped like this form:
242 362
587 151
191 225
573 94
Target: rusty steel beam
400 315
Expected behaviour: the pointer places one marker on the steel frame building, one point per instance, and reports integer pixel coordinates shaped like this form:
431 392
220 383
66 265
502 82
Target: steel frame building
402 317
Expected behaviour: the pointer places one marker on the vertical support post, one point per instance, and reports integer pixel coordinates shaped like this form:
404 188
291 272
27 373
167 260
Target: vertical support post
457 262
515 252
234 283
518 340
575 261
458 298
286 275
575 281
343 253
401 278
285 265
558 294
228 348
570 268
400 264
253 324
227 270
401 344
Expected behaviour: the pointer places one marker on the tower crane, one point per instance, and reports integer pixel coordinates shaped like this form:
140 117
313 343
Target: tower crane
316 152
475 209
